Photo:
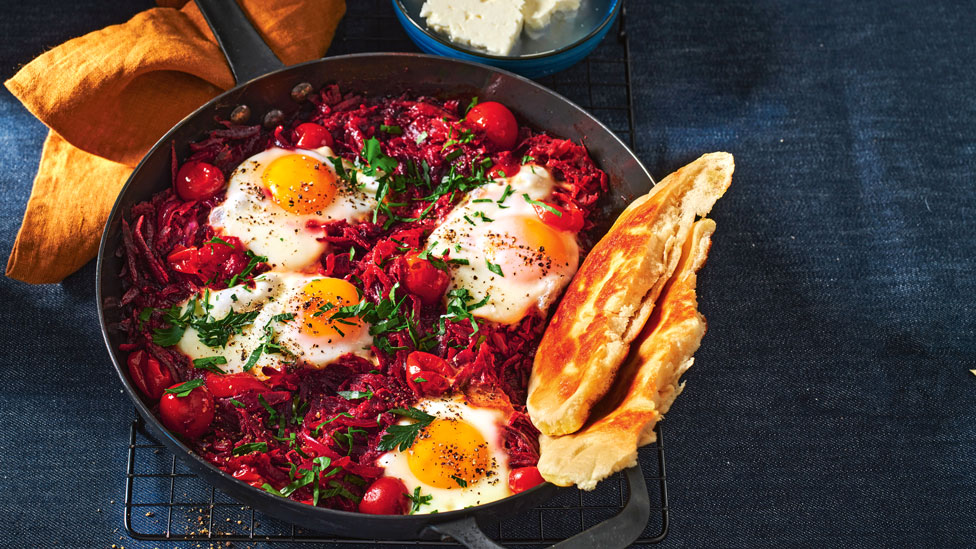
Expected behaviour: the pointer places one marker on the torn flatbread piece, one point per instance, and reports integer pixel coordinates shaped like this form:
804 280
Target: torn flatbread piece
611 297
645 387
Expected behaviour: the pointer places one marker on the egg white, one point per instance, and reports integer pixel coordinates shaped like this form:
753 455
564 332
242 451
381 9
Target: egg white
467 235
274 294
493 486
285 238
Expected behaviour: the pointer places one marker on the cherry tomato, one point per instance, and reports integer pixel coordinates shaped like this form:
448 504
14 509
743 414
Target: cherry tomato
386 496
230 385
503 170
428 375
188 415
312 136
151 377
211 261
523 478
198 180
497 121
426 281
570 218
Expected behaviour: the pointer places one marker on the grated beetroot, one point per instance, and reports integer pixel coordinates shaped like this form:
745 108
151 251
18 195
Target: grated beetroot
299 414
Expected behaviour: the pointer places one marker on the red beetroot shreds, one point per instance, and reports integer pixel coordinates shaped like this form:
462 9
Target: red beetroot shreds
299 412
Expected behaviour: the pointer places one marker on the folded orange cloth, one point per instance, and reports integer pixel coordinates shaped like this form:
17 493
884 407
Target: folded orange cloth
109 95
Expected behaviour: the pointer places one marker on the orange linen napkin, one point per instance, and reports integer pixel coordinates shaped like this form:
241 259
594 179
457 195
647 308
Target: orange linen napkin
109 95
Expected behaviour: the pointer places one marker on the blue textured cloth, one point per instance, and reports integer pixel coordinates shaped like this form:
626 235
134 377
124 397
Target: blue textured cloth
831 403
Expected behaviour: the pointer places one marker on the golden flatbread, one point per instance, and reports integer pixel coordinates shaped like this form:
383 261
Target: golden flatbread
611 297
645 387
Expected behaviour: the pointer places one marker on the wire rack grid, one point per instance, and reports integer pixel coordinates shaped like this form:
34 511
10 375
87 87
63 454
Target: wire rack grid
165 502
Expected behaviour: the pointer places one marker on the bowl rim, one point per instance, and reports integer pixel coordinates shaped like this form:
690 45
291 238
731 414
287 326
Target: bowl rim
611 16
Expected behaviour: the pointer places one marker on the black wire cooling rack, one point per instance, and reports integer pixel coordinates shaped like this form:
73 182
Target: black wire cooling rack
165 502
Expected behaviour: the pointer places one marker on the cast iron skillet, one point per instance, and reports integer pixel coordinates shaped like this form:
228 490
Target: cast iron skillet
265 84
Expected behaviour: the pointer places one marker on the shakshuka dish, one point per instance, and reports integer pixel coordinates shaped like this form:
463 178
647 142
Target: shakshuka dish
344 310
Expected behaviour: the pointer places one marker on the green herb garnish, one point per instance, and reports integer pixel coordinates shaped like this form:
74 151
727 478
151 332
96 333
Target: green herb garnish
250 447
210 363
183 389
403 436
495 268
542 205
418 500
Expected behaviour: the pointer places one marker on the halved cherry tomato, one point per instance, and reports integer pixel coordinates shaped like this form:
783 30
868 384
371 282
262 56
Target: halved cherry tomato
569 218
498 123
386 496
223 386
209 260
428 375
198 180
523 478
189 415
425 280
312 136
151 377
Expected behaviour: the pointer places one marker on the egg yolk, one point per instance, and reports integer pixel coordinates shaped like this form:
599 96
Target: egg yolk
533 249
300 184
448 450
320 312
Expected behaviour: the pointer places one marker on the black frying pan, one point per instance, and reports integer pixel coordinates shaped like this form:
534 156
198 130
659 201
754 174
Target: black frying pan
265 84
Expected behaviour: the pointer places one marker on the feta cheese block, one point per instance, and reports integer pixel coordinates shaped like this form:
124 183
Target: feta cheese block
492 25
537 14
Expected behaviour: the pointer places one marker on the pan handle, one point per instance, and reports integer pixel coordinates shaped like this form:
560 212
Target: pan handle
247 54
618 531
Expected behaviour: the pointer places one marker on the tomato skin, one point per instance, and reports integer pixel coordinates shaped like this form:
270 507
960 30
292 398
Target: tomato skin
212 261
498 123
230 385
523 478
386 496
498 171
570 220
198 180
151 377
425 280
312 136
436 372
188 415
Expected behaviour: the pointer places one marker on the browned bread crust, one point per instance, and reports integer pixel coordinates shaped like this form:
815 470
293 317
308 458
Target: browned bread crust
645 387
610 298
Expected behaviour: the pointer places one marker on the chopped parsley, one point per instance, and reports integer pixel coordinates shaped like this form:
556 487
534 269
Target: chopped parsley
460 481
542 205
183 389
526 159
495 268
403 436
418 500
210 363
252 262
474 101
459 309
212 332
318 427
267 346
505 194
421 137
249 448
392 130
218 240
235 402
419 379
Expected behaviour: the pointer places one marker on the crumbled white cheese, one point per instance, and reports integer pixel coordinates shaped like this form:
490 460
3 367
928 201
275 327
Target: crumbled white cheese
492 25
538 13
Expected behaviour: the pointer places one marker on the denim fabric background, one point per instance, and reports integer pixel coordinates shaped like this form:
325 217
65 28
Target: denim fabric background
831 403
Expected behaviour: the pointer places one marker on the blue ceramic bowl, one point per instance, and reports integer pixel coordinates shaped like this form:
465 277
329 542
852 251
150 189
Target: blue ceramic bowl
535 57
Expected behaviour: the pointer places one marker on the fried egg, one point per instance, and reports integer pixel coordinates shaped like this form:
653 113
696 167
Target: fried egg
276 198
459 460
287 307
507 257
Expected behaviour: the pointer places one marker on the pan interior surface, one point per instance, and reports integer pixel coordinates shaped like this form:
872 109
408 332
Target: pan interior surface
373 75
